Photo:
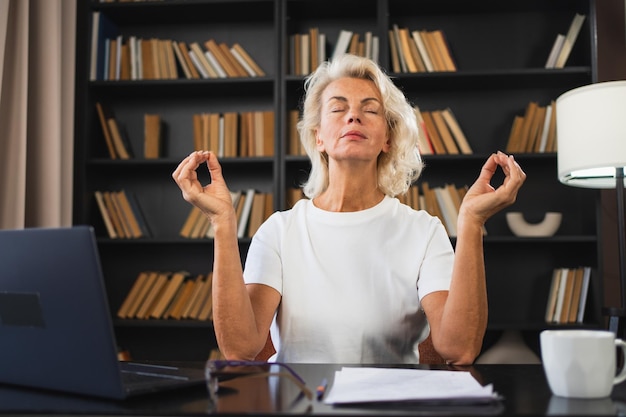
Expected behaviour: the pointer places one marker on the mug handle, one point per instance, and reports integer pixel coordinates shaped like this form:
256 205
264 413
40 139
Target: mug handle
619 343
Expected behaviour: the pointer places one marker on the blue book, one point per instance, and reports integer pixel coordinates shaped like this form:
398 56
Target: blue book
102 30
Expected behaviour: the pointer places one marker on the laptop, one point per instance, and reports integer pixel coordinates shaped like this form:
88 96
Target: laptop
55 323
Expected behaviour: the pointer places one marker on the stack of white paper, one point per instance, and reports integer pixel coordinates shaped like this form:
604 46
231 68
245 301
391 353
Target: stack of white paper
368 385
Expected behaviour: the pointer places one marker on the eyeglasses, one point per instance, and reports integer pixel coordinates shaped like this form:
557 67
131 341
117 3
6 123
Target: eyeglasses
223 370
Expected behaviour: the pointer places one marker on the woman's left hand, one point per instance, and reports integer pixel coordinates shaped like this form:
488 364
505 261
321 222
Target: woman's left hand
482 200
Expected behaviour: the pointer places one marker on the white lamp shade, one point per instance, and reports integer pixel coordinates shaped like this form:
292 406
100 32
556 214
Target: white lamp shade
591 134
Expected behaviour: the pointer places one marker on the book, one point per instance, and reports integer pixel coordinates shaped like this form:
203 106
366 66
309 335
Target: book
198 53
130 218
102 29
561 299
106 216
582 302
444 133
182 300
123 311
432 50
421 47
244 216
152 136
554 52
241 71
119 139
404 67
103 116
553 295
147 282
457 132
194 299
570 39
170 289
433 134
405 49
576 292
153 296
342 44
222 59
190 222
393 51
423 141
182 60
443 47
114 214
184 51
545 130
257 213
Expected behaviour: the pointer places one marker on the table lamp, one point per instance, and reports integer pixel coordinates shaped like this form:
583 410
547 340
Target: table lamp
591 153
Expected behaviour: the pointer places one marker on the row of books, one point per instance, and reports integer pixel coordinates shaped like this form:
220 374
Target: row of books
563 44
115 57
568 295
535 131
121 214
116 139
168 295
419 50
440 133
252 208
307 50
232 134
443 202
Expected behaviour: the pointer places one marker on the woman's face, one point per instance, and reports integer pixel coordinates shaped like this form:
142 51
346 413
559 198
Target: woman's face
352 125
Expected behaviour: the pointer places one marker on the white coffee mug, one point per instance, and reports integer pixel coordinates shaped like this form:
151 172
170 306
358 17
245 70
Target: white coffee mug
581 363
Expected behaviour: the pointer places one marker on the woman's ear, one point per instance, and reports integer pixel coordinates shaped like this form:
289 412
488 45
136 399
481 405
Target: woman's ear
387 145
319 143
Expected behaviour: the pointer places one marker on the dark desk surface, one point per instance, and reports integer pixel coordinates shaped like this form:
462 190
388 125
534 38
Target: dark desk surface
523 387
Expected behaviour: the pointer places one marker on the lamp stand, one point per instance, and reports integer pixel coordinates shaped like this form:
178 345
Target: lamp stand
617 316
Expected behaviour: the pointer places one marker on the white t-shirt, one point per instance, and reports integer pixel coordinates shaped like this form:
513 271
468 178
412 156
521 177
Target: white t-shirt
351 282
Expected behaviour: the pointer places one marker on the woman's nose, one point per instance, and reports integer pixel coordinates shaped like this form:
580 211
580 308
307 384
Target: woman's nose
353 118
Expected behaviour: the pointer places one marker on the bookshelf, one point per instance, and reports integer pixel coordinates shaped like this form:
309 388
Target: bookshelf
499 50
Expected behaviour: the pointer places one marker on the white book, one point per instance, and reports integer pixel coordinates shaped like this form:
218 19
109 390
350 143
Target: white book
245 213
343 41
321 50
132 47
118 58
243 62
220 137
375 48
570 39
556 49
95 30
215 64
448 210
583 294
198 64
421 47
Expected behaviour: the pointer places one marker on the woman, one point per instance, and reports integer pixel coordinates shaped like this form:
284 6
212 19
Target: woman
351 275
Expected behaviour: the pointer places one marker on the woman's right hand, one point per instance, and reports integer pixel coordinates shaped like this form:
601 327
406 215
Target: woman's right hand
213 199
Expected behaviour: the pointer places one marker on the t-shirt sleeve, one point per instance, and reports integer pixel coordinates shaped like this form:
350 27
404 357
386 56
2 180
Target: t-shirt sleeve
436 269
263 262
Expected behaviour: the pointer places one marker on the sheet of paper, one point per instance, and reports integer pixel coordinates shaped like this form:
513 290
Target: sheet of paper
370 384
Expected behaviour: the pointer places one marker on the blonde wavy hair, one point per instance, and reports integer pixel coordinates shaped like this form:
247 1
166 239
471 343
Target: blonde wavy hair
398 168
